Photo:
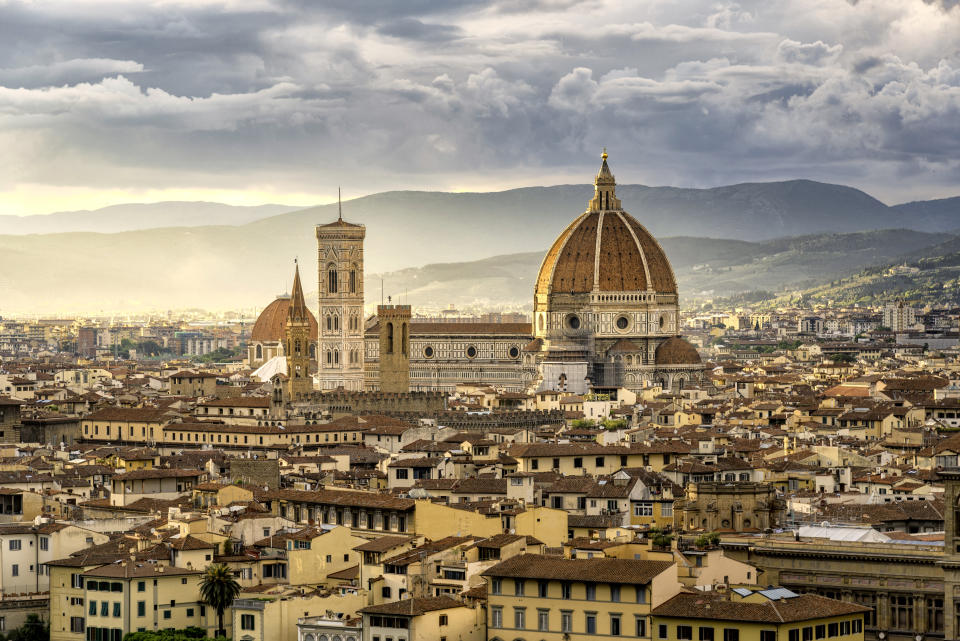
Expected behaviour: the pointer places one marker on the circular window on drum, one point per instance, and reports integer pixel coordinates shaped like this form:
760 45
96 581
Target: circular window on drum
428 352
573 322
471 352
514 352
622 323
663 321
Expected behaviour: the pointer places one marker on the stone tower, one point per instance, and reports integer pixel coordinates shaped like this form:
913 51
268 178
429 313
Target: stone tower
297 344
394 348
340 346
951 551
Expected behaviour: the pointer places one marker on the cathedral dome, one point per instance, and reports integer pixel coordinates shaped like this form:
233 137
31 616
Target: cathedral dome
272 320
605 250
677 351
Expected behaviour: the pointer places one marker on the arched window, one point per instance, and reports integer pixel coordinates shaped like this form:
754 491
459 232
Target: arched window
332 279
296 348
403 345
353 280
389 338
329 357
313 351
336 357
336 323
259 351
329 323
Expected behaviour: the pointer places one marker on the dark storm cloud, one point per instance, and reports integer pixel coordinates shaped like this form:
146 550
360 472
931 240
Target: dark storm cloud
424 93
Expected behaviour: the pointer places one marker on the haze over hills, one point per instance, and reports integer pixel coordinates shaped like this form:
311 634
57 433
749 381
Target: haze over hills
245 265
117 218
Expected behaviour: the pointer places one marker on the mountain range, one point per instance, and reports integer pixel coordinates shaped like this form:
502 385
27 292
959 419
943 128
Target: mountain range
455 248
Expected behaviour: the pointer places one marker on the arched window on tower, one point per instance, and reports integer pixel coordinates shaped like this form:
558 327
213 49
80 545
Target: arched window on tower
332 279
336 323
313 351
389 338
353 280
329 357
329 323
296 348
403 345
336 357
259 351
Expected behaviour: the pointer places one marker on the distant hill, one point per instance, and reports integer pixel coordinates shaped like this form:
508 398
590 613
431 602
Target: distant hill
117 218
703 266
244 264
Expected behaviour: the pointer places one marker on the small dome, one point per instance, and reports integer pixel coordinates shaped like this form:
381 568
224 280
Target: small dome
272 320
677 351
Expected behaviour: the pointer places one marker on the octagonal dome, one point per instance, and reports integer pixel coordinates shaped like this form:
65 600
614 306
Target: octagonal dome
272 320
605 250
677 351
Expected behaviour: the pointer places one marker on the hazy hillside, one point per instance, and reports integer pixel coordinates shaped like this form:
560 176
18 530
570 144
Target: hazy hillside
243 265
117 218
704 267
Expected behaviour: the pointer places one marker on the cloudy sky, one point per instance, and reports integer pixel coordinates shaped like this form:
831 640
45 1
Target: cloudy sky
250 101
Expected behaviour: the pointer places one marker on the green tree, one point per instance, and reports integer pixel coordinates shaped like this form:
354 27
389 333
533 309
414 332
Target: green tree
34 629
218 589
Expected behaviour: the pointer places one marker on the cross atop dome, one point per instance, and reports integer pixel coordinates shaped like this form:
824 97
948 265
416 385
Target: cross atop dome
605 189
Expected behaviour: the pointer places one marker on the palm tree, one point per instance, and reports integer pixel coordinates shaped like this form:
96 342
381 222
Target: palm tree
218 589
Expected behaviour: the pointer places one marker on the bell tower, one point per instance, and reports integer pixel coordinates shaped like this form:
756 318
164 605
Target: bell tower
297 344
340 263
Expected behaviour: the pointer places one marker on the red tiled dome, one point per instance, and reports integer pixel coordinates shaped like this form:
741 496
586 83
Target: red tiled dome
677 351
271 321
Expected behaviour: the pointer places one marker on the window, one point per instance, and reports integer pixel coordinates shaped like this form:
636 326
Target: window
496 586
518 587
141 586
808 634
599 461
496 617
542 589
768 635
591 592
519 618
684 632
934 615
833 629
731 634
76 624
901 612
543 620
44 543
578 462
706 634
857 626
591 620
662 631
666 508
615 593
246 622
565 591
104 609
615 625
643 508
141 608
641 626
641 594
189 612
93 608
116 609
14 545
820 632
793 635
566 621
401 473
166 614
15 570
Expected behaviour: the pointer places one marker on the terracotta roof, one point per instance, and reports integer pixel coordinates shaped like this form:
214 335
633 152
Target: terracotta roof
273 319
534 566
414 607
804 607
677 351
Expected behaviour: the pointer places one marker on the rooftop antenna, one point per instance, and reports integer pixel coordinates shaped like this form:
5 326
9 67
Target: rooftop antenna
339 206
